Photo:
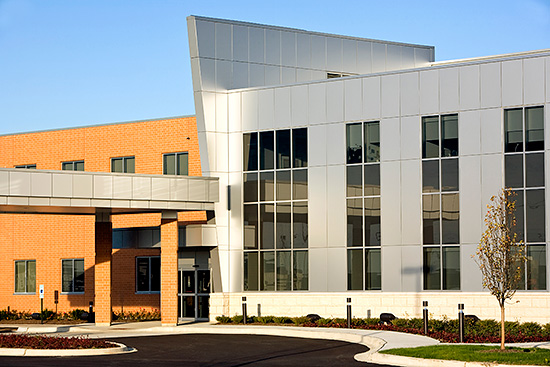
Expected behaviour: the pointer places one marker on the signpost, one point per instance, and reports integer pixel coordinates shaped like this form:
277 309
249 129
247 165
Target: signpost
41 294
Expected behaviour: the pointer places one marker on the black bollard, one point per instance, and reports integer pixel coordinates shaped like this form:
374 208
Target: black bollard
349 312
425 316
244 310
461 321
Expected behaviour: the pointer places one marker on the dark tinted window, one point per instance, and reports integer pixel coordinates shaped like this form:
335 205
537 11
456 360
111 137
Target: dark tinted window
354 143
513 170
513 127
299 147
430 176
449 175
283 149
250 152
449 136
534 128
372 179
534 172
535 215
430 137
267 155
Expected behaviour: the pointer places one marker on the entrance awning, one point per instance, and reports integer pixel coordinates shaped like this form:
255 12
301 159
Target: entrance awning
71 192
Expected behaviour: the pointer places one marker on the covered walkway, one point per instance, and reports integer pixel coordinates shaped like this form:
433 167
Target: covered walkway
106 194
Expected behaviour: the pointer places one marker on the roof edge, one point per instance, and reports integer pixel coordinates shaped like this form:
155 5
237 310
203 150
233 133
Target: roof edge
279 28
97 125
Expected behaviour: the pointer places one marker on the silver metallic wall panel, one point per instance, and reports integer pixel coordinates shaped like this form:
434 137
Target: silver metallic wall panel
470 275
371 98
449 90
41 185
364 57
299 104
490 85
317 141
389 140
317 207
336 144
411 203
391 262
512 74
409 94
390 203
533 84
273 47
390 96
429 92
318 274
411 268
349 52
352 100
469 133
317 103
335 101
410 138
336 277
336 201
334 54
469 87
471 216
491 131
282 108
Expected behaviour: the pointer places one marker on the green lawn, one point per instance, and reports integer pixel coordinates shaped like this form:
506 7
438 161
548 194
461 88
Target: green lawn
478 353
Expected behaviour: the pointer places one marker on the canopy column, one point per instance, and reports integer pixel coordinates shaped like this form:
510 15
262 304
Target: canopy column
169 268
103 267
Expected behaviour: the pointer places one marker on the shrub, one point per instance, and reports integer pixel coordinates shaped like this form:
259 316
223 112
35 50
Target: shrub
530 329
323 322
223 319
140 315
358 322
237 319
486 328
282 320
300 320
372 321
265 319
75 314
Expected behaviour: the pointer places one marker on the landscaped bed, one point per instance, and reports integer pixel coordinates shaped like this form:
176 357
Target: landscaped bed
477 353
50 342
446 330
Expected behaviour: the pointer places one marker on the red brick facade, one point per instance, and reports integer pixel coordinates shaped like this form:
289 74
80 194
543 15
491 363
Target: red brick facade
50 238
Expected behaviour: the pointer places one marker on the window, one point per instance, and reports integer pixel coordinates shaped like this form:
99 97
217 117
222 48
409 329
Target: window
140 237
363 206
25 276
72 275
27 166
275 210
73 166
123 164
175 164
148 274
524 173
440 203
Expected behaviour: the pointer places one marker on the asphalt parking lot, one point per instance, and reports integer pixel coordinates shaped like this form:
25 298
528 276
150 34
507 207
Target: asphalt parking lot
213 350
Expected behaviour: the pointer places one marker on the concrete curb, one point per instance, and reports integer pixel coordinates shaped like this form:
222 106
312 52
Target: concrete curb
21 352
42 330
424 362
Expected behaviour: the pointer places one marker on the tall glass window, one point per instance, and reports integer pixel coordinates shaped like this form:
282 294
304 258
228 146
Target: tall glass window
440 203
123 164
25 276
524 159
72 275
363 205
275 210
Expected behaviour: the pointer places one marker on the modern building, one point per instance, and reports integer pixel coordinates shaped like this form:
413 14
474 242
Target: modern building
332 167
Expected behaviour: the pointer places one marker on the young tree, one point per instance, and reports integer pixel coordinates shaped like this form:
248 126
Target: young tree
500 255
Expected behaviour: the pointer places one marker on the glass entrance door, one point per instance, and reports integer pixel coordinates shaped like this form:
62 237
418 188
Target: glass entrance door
193 294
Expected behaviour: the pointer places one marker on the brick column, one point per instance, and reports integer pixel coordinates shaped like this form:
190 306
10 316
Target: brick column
169 268
102 268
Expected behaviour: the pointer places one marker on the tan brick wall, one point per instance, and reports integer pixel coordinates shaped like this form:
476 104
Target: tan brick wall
50 238
169 272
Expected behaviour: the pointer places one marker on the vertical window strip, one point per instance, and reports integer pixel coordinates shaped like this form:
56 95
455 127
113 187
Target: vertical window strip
275 210
440 202
524 165
363 205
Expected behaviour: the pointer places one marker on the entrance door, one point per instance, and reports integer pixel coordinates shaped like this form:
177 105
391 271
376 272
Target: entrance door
193 294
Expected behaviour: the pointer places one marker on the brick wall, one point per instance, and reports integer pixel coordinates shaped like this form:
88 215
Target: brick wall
50 238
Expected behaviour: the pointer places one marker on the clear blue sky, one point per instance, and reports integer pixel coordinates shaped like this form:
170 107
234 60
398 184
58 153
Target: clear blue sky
79 62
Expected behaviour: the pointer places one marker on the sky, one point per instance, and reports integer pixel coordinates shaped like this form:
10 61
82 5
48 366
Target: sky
66 63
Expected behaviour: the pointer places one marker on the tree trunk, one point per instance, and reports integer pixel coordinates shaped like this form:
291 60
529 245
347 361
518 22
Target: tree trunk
502 326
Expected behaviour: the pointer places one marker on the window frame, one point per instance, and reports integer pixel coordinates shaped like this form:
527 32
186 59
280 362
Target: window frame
149 273
176 168
439 192
26 166
360 158
124 163
262 172
522 191
73 165
26 275
72 291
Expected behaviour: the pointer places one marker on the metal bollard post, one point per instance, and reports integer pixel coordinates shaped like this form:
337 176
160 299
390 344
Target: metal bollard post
461 321
244 310
259 310
349 312
425 316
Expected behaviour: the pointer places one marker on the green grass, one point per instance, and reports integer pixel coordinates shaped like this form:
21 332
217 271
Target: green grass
478 353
